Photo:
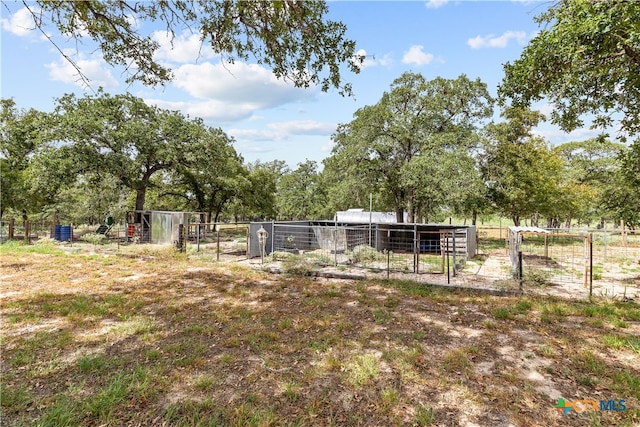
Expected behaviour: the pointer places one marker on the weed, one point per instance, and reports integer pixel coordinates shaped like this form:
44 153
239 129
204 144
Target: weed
618 342
291 391
618 323
587 380
626 383
391 301
207 382
363 254
92 364
154 354
382 316
15 399
502 313
390 398
537 277
44 247
594 322
409 287
95 239
362 369
546 350
489 324
456 361
418 335
297 266
424 415
285 323
522 307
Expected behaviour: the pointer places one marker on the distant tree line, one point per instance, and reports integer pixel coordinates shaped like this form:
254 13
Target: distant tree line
427 148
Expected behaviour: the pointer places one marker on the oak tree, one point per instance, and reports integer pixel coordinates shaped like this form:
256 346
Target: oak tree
293 38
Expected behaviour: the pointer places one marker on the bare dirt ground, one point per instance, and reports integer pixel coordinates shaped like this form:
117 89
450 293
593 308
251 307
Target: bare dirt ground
155 338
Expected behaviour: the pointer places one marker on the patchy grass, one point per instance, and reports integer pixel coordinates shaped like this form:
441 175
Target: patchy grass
156 337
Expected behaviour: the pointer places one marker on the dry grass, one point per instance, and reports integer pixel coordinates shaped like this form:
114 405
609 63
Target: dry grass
155 338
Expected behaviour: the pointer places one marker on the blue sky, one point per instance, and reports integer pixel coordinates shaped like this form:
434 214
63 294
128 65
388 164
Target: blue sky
270 119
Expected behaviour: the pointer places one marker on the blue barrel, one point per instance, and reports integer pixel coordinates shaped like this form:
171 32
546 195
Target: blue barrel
56 232
65 233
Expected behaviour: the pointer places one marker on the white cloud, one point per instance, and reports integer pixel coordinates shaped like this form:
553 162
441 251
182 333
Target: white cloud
20 23
502 41
415 55
304 127
328 146
93 69
435 4
557 136
184 48
280 131
546 109
214 110
237 83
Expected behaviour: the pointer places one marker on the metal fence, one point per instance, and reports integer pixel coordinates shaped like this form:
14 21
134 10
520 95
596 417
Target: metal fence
374 247
575 262
219 240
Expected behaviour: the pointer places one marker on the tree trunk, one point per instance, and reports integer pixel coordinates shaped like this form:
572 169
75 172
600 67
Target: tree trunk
474 217
399 215
141 193
516 220
410 207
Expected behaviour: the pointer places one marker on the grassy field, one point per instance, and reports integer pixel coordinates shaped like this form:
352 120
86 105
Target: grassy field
151 337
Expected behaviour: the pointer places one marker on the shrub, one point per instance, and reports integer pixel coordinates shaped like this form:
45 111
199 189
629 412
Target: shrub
364 253
96 239
296 265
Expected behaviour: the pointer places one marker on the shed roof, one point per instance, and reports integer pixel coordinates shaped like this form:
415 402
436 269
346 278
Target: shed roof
522 229
361 216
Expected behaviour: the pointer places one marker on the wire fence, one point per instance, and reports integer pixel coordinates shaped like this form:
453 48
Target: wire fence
218 240
377 247
570 263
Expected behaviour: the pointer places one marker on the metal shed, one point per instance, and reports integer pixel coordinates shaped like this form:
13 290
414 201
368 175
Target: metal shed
158 227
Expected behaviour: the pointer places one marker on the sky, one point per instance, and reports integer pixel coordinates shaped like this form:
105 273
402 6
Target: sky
269 119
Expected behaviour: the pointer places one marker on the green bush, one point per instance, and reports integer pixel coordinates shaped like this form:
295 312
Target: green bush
96 239
537 277
297 265
363 253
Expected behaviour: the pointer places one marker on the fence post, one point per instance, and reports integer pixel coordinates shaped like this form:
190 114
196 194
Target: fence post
454 252
591 266
247 239
198 237
273 235
335 244
388 261
520 275
180 241
217 228
27 232
447 253
12 228
416 249
443 252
